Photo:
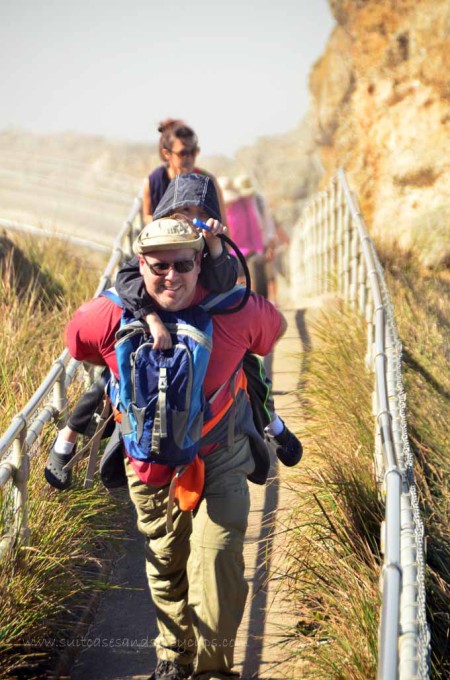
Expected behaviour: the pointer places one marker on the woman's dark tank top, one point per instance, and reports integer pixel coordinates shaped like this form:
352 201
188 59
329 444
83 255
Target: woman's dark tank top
159 180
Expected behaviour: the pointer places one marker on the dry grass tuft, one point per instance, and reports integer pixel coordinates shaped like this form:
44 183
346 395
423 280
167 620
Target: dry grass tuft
46 586
422 302
333 553
333 557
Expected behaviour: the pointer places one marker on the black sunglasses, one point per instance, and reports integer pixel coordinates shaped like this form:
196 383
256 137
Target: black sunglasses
184 153
161 268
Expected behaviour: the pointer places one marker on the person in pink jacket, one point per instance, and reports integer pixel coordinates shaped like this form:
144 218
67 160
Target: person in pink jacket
245 228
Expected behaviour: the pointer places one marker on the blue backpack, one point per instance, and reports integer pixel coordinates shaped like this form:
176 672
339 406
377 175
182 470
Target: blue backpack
160 392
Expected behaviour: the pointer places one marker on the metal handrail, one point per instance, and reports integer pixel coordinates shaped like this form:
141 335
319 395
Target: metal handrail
330 241
16 442
331 247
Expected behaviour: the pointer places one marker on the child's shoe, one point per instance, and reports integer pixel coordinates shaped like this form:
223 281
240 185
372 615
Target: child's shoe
290 449
54 468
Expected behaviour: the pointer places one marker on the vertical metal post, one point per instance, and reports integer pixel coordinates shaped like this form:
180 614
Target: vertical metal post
378 453
340 239
333 254
326 242
354 250
128 245
303 245
296 256
313 234
370 331
60 396
20 480
362 296
409 627
392 395
309 248
317 241
346 257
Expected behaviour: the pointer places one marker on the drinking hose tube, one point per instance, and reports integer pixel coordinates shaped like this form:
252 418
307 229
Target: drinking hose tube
248 284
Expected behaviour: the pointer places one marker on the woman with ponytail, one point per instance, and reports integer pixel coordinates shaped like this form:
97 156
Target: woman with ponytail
178 149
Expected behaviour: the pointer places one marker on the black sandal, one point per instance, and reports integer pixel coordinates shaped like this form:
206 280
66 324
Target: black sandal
54 468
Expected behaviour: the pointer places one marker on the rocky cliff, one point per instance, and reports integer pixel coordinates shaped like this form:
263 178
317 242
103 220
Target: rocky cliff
381 102
380 108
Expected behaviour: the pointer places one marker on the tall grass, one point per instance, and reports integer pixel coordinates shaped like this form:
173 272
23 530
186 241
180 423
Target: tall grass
422 302
41 284
333 552
333 555
46 585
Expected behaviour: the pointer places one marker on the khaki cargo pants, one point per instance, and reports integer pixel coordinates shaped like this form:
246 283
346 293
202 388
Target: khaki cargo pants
196 572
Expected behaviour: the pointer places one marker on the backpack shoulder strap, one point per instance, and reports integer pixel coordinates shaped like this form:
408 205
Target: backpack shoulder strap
127 323
230 301
113 295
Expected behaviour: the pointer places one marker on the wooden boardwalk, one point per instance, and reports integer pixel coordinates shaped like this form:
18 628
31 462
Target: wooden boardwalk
118 643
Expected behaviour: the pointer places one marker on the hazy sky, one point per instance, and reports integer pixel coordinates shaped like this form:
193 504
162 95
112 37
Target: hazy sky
234 70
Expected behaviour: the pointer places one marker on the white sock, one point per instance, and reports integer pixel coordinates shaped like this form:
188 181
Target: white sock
275 427
62 446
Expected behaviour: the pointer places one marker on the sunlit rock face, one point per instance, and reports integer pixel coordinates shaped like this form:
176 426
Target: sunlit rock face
381 102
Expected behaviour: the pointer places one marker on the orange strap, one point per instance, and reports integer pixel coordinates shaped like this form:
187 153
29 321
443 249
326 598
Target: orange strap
212 422
189 484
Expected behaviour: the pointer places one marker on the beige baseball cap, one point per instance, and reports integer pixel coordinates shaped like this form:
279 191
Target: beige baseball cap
168 234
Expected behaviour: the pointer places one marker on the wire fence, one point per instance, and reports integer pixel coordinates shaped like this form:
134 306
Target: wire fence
331 251
47 404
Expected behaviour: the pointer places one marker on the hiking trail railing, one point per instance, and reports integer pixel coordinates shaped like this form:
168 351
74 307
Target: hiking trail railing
330 244
331 251
49 401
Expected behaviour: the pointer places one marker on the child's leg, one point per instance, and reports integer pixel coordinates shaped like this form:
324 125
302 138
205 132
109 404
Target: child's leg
81 417
63 448
259 391
267 421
